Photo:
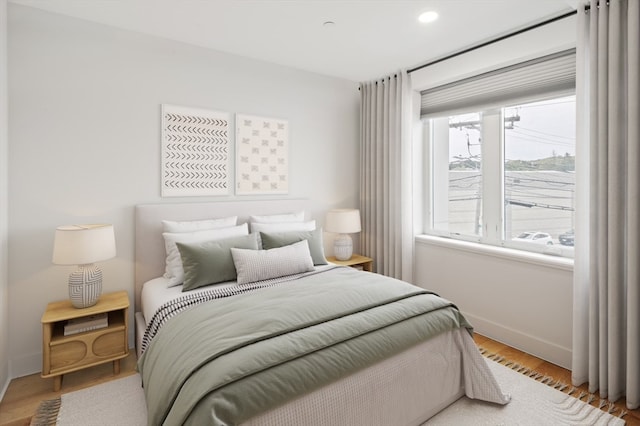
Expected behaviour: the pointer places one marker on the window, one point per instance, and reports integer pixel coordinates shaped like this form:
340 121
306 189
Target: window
501 157
457 172
505 175
539 170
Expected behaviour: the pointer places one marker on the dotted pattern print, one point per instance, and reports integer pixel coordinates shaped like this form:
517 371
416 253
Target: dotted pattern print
195 152
262 155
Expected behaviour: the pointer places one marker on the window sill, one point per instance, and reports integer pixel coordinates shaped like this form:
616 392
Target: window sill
546 260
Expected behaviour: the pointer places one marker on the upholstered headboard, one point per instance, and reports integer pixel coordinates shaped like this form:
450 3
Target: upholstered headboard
149 243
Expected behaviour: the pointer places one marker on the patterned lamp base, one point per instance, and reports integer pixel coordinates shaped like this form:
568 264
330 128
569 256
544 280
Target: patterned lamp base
85 286
343 247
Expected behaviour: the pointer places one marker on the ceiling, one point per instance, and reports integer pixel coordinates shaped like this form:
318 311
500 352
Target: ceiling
369 39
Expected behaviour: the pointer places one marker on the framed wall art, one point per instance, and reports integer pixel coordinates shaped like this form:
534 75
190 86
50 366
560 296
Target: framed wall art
195 152
262 155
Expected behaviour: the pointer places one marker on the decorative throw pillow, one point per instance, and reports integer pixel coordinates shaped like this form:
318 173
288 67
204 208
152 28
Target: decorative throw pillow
283 226
278 218
259 265
210 262
198 225
173 269
314 238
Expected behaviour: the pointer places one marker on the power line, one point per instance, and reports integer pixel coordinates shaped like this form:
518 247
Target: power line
526 179
534 204
532 138
573 139
527 189
465 178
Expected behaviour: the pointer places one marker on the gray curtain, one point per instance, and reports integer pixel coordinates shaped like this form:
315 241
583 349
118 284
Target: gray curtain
385 175
606 332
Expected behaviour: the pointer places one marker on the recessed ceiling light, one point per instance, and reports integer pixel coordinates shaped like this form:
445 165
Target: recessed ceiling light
328 24
427 17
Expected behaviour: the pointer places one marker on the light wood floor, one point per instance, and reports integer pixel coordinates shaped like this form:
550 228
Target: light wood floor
25 393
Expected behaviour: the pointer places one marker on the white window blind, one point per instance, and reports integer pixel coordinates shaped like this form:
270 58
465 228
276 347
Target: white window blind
553 74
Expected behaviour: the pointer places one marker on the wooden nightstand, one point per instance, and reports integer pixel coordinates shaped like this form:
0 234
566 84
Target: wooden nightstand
63 354
356 260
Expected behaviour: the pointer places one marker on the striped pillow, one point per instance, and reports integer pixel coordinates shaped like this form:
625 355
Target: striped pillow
259 265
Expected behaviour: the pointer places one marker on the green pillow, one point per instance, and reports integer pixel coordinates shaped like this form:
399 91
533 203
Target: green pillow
281 239
210 262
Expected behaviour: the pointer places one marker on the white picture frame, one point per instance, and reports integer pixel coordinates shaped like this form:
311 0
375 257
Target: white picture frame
262 155
196 152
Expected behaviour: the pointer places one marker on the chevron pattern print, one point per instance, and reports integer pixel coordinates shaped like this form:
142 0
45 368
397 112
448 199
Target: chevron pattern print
262 155
195 152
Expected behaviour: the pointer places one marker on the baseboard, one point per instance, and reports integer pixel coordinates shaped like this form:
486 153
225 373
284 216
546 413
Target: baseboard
533 345
5 386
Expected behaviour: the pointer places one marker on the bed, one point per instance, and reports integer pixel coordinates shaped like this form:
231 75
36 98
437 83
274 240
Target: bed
324 345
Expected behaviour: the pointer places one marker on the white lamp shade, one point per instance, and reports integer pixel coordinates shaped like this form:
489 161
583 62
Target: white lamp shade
343 221
83 244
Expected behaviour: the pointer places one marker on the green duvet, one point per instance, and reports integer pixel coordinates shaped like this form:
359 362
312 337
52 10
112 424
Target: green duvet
227 360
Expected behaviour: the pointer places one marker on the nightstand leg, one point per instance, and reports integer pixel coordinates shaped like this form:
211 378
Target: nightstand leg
116 367
57 383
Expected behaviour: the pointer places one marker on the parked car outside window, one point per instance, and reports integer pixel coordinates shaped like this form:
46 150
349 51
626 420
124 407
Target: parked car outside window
567 239
535 237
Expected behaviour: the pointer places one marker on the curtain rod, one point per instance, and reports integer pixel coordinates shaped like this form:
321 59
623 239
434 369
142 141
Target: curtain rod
588 6
495 40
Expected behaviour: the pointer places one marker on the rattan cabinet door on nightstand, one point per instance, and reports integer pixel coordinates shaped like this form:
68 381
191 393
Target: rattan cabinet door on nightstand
63 354
356 260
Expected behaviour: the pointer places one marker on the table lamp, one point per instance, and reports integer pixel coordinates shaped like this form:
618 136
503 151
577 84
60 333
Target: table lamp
83 245
343 222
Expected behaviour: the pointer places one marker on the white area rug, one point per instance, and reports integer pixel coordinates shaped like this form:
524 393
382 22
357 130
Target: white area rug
115 403
121 402
532 404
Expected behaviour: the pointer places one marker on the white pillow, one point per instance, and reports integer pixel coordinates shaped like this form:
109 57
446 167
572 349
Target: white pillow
173 270
277 218
259 265
283 227
198 225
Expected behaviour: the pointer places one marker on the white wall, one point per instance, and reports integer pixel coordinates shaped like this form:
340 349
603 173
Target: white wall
524 301
84 104
4 288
